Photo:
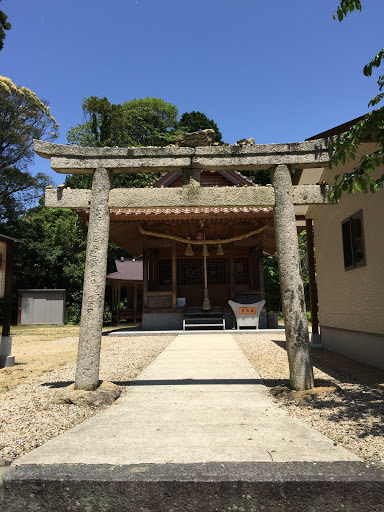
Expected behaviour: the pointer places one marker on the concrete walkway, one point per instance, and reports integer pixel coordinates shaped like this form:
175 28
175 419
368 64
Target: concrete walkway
199 401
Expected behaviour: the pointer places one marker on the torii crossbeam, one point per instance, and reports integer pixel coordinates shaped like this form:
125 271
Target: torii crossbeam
103 163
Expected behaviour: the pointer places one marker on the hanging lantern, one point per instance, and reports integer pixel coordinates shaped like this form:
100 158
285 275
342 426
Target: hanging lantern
189 250
219 251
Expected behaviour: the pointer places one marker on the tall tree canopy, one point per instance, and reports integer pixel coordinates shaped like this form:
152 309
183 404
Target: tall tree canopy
4 25
139 122
370 127
194 121
23 117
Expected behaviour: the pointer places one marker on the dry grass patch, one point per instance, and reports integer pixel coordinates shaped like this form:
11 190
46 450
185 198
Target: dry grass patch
39 349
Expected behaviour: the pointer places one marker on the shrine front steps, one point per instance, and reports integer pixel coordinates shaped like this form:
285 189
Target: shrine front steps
197 318
213 486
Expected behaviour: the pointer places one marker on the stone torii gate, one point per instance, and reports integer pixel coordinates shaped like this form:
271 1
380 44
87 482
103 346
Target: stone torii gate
104 162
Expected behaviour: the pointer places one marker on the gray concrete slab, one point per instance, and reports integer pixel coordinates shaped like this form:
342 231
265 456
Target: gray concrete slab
199 401
134 331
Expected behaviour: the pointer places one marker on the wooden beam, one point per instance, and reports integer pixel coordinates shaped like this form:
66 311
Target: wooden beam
156 243
312 277
232 276
261 273
135 302
145 278
6 330
174 275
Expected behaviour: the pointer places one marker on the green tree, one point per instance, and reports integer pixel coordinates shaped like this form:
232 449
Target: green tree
194 121
4 25
23 117
370 127
139 122
52 254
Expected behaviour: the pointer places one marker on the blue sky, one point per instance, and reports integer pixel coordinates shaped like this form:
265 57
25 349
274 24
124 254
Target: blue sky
278 71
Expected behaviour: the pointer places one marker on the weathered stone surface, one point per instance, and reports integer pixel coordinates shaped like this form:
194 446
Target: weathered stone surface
105 394
225 487
68 198
50 149
291 284
191 178
92 309
263 156
195 139
193 196
119 165
70 159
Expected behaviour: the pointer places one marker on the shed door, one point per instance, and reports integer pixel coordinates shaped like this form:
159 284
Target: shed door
26 309
39 309
54 308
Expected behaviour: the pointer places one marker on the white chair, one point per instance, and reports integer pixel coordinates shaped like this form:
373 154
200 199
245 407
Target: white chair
247 315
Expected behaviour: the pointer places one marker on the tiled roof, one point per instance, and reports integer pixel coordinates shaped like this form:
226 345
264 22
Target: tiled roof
234 176
188 211
128 271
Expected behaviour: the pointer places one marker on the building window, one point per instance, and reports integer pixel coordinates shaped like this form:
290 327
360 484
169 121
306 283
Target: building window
165 272
241 270
189 271
216 271
353 241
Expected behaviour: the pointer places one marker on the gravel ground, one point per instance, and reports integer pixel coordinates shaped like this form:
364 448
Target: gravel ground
28 415
347 404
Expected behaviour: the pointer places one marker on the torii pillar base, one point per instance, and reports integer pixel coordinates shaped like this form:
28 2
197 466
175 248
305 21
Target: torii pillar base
291 284
92 309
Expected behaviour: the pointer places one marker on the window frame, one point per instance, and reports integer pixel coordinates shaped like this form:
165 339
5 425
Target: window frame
352 238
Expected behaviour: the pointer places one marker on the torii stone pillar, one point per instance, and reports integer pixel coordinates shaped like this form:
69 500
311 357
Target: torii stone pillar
291 285
92 309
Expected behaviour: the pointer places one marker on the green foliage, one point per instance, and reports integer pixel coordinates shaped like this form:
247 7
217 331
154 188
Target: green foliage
23 117
345 7
139 122
368 68
81 135
18 189
272 283
4 25
195 121
52 254
272 279
261 178
360 178
139 180
370 127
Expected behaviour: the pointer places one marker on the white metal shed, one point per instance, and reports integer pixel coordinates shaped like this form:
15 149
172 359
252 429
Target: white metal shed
41 307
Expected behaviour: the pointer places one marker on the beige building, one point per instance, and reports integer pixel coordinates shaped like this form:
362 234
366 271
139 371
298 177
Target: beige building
349 242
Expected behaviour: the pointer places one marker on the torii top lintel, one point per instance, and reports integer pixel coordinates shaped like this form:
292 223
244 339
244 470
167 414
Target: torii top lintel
83 160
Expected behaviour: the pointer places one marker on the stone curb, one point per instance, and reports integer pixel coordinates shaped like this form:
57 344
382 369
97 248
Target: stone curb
224 487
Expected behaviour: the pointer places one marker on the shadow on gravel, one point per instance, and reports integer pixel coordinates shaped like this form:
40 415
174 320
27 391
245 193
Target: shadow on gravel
170 382
191 382
57 385
355 392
